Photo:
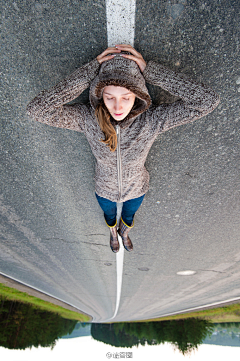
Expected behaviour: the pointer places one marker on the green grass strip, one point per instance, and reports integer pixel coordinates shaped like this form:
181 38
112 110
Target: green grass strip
15 295
230 313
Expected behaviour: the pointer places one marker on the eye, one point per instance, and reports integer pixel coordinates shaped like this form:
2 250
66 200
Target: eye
109 98
125 98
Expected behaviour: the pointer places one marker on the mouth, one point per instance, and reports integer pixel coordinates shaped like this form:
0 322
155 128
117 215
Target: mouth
118 115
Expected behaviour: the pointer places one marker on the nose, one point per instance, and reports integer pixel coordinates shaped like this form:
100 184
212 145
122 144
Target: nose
118 105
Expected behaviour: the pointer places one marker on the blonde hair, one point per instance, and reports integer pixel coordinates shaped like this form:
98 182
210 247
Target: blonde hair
103 117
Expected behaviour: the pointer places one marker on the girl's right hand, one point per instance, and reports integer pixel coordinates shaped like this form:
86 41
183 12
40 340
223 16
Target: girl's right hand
104 56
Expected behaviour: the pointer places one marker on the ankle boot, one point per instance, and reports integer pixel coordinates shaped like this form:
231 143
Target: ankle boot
114 244
123 231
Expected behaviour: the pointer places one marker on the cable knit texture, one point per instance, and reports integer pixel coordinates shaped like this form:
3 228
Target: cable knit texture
137 131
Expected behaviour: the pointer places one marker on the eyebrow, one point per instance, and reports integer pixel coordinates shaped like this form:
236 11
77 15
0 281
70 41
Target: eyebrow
112 94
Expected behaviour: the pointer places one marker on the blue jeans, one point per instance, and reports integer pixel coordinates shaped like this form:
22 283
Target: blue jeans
128 211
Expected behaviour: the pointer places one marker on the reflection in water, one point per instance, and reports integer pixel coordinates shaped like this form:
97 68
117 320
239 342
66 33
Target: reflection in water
225 334
185 334
23 326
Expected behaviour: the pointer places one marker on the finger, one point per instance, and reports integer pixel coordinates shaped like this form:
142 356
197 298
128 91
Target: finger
139 61
131 57
124 45
109 50
105 53
129 48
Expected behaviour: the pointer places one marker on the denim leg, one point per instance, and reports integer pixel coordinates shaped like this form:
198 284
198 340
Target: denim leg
110 210
130 208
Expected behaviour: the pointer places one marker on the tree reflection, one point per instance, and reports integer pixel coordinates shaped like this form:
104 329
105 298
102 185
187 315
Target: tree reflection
22 326
184 334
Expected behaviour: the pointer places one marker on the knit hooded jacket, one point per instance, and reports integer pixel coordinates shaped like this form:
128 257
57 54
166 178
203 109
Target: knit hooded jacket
121 175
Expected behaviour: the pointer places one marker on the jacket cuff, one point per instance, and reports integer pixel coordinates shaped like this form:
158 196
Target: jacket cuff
92 69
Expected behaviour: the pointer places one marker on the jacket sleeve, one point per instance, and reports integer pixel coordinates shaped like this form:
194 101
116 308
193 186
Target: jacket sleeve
196 100
50 107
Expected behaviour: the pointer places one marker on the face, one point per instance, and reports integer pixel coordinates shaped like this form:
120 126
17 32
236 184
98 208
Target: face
118 100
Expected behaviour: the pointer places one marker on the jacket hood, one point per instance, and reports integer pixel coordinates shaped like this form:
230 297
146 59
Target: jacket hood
122 72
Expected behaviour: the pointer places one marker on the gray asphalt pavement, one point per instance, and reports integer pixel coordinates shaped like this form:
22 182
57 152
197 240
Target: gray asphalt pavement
54 237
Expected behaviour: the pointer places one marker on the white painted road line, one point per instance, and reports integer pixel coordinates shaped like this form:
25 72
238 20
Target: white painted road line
200 307
120 30
119 260
120 21
119 265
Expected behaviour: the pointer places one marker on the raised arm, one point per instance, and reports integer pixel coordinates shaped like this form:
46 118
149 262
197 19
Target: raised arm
196 100
50 107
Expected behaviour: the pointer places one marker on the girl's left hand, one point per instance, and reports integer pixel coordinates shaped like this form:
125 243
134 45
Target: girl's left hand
137 57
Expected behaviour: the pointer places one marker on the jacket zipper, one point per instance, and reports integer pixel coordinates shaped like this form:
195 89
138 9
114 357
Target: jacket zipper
119 164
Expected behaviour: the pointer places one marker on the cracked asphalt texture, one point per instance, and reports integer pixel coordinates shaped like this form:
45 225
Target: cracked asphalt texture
54 237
